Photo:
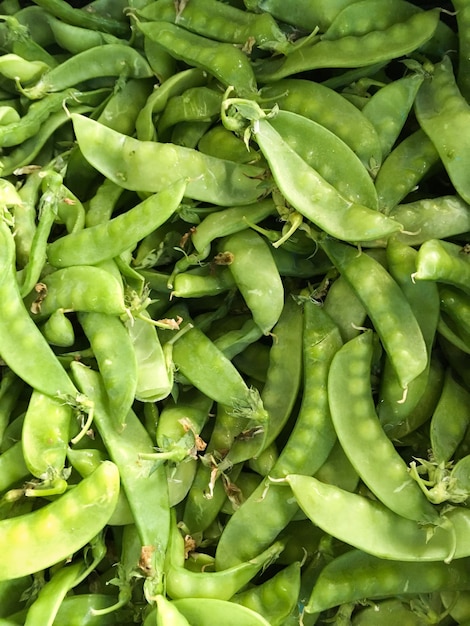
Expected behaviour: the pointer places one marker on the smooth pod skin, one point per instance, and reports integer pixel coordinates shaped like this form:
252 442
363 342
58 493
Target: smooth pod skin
312 196
388 536
19 335
438 100
151 166
48 535
356 575
444 262
111 238
358 428
213 612
387 307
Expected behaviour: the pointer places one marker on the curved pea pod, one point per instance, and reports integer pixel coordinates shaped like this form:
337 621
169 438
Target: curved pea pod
405 166
276 597
357 427
77 610
389 108
256 276
438 100
168 614
388 536
450 419
387 307
213 612
52 533
78 288
151 166
316 145
353 51
113 59
58 329
356 575
45 435
227 63
393 407
444 262
116 357
19 335
111 238
315 101
315 198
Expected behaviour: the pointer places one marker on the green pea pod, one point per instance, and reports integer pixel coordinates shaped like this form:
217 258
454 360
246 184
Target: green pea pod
387 307
110 239
113 59
356 575
357 425
388 536
211 612
168 614
12 466
44 372
50 534
78 288
388 613
438 99
312 196
399 39
389 108
444 262
77 610
315 144
132 164
227 63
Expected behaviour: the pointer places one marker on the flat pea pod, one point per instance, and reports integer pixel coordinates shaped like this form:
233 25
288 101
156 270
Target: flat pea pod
357 575
389 107
131 164
276 597
450 419
168 614
196 104
112 347
45 435
438 100
211 612
330 109
344 308
76 39
354 51
227 63
13 468
20 336
360 18
405 166
262 516
357 426
312 196
304 14
388 309
53 532
256 276
113 59
389 612
444 262
110 239
228 24
316 145
388 536
78 288
77 610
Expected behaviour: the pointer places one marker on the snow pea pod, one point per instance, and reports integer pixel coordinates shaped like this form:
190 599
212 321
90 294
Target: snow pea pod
317 102
444 262
256 276
109 239
357 427
316 145
388 536
438 100
111 59
387 307
354 51
19 335
227 63
357 575
151 166
312 196
212 612
53 532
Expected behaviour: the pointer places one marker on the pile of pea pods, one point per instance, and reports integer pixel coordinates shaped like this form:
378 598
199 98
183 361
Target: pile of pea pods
234 313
